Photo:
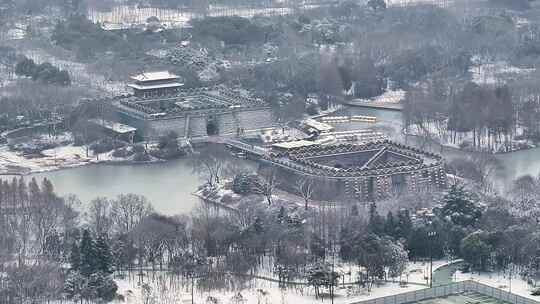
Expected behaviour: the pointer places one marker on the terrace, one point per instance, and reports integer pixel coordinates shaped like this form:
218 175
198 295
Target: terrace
347 160
189 100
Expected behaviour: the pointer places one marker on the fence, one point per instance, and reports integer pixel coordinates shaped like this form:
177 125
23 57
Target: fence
450 289
499 294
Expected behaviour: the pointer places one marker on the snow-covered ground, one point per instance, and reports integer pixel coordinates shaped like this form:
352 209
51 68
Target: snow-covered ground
464 140
12 162
418 272
256 291
64 155
389 96
498 72
401 3
126 16
79 72
158 290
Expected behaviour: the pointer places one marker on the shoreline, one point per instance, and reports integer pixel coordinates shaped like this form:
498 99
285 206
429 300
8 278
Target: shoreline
18 167
453 148
25 171
397 107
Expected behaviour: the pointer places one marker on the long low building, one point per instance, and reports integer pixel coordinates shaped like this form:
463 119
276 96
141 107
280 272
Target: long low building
366 172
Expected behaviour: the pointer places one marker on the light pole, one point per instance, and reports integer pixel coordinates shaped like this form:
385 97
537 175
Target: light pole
431 235
332 273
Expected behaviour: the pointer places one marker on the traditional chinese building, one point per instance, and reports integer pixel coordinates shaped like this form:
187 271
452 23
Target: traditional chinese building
367 172
160 105
155 84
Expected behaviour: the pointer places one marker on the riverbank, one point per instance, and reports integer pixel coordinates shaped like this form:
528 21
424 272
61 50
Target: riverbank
63 157
375 105
465 141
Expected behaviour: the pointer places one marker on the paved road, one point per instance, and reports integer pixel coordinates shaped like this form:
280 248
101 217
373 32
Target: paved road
444 274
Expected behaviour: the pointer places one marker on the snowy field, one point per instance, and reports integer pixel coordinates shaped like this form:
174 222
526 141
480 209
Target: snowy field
388 97
79 72
64 155
401 3
12 162
126 16
496 73
255 291
160 288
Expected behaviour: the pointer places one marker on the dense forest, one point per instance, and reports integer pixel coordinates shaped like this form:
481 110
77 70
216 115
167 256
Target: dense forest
54 249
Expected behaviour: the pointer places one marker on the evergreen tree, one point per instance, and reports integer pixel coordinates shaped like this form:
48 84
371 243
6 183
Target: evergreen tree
25 67
103 255
475 250
404 225
390 224
282 215
53 247
354 210
33 190
123 251
75 286
377 4
75 257
88 254
102 286
461 207
376 222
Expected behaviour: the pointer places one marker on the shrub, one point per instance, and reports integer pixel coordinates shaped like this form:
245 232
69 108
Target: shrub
465 145
168 153
231 30
139 149
168 147
227 199
105 145
123 152
45 72
141 157
243 183
312 110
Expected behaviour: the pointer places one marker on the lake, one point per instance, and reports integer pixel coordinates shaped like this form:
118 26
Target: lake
169 185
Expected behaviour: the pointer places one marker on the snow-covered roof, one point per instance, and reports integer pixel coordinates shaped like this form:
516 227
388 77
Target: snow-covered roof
153 76
114 126
319 126
155 86
294 144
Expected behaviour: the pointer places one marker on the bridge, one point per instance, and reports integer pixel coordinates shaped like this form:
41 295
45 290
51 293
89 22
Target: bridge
247 148
231 143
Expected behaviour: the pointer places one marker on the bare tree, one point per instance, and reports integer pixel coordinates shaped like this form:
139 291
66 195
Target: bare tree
210 163
266 185
128 210
85 134
99 216
306 188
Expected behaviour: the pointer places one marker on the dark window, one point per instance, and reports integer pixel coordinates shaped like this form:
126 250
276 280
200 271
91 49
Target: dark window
371 188
398 182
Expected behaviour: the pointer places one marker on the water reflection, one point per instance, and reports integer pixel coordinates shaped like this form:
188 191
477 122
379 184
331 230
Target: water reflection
167 185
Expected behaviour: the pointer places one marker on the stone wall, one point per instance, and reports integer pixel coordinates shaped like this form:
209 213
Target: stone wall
163 126
227 122
358 188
